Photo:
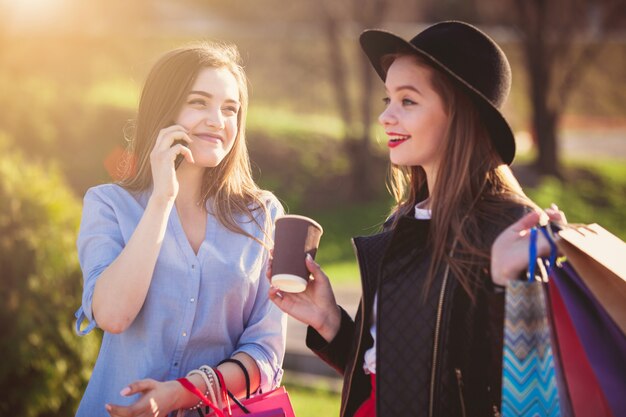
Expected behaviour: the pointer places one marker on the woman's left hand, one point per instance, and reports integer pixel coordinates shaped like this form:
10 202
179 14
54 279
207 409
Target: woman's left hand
509 253
157 399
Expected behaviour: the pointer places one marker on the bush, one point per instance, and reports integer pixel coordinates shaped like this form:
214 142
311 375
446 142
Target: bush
44 366
591 193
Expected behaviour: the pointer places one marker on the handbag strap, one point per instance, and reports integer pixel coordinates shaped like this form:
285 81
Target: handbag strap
238 403
194 390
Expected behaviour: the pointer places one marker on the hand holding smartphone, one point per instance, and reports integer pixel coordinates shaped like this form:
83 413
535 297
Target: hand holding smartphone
179 157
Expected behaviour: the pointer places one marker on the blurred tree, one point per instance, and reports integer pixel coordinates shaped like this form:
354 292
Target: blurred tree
560 40
436 10
355 109
44 366
348 72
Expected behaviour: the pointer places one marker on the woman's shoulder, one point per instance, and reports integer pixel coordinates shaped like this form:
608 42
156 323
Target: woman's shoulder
271 203
111 194
493 221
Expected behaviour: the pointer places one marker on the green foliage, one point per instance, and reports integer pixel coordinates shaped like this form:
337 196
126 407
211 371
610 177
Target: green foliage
283 123
593 192
44 365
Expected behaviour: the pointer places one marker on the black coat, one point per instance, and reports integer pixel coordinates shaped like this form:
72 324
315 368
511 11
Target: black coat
466 380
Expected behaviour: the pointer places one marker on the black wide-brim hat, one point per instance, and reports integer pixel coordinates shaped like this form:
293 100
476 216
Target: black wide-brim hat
470 57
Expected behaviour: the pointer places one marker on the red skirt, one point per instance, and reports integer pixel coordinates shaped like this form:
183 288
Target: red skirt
368 408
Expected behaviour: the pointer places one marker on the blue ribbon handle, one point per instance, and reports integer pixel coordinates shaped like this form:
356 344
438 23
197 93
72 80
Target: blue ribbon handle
553 248
532 254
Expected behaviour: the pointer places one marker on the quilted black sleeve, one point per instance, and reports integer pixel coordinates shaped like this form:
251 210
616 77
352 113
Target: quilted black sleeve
335 353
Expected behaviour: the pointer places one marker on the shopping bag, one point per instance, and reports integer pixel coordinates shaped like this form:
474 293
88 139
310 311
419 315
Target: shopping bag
277 399
587 398
529 381
275 403
603 341
599 258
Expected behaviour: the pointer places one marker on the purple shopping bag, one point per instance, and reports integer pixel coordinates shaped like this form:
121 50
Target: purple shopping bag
603 341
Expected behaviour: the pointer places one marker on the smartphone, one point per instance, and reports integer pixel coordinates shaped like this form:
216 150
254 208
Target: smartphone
179 157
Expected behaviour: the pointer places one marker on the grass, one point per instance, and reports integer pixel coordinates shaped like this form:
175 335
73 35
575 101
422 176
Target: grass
313 402
336 254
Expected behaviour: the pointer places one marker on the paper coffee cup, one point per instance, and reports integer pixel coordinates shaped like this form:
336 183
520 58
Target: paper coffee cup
294 237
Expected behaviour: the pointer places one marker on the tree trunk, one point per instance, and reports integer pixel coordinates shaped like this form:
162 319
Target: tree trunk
356 115
544 119
544 116
362 158
545 132
338 72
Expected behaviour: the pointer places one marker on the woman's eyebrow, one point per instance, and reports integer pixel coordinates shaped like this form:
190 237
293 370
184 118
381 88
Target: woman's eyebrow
201 93
406 87
209 95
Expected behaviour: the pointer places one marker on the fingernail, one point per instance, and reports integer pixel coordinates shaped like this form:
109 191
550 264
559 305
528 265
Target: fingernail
309 257
108 407
554 207
125 391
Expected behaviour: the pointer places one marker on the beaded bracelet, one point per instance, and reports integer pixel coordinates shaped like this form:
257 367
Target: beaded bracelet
206 382
210 375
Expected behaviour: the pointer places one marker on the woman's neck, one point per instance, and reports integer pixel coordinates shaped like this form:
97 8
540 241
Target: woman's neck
190 186
431 179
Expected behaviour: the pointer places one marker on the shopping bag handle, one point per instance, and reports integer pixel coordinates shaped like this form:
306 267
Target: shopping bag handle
549 237
532 250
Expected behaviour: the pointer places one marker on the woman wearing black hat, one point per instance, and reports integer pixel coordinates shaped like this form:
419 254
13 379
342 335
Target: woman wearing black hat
427 338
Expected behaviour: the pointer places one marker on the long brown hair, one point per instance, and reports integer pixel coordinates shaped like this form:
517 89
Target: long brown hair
473 188
229 185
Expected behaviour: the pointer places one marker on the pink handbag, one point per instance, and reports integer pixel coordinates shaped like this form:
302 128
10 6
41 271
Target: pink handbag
258 405
275 403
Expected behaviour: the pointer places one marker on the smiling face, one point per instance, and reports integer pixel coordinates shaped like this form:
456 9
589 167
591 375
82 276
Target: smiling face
209 113
414 119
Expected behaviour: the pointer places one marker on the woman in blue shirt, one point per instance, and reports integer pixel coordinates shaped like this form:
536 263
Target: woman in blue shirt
174 256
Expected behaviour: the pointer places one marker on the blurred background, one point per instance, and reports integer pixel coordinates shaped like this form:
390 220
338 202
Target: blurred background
71 72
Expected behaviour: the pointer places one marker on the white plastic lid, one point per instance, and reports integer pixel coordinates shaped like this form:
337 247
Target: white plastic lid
289 283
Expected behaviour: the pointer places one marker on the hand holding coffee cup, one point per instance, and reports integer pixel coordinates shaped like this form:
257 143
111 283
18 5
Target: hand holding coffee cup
294 237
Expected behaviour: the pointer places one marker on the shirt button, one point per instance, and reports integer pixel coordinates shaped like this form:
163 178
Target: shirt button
175 363
184 334
193 266
192 300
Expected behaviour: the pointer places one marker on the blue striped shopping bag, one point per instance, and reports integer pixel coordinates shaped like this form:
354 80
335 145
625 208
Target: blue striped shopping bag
531 382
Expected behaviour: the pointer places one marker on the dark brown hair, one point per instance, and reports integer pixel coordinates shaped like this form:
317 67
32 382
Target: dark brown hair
474 188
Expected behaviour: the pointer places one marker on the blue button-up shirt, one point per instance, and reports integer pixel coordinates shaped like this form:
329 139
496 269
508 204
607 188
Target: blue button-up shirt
200 308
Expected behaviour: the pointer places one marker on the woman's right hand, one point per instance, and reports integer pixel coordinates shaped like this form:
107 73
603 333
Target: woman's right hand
316 306
162 160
